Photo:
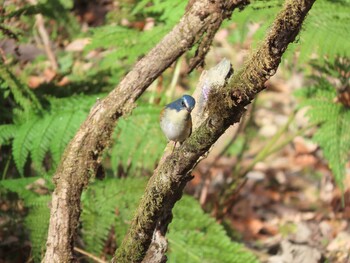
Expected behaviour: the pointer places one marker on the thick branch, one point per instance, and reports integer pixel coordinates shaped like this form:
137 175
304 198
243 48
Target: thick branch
83 155
225 107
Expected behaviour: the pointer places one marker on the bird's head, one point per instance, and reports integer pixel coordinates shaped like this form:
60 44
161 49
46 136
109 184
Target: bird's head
187 102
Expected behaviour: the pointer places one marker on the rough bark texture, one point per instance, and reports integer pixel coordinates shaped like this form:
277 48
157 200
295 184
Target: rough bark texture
83 155
225 107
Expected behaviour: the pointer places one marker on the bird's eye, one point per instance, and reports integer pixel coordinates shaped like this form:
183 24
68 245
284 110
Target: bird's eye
183 104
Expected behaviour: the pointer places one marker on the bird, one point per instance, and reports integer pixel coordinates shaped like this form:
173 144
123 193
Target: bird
175 119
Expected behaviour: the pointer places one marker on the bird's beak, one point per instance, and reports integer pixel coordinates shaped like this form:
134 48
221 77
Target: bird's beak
189 109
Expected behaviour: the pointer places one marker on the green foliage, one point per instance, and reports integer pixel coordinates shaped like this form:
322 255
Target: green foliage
196 237
37 131
6 133
332 117
37 222
127 44
326 27
139 141
38 211
130 44
108 205
57 10
22 95
193 235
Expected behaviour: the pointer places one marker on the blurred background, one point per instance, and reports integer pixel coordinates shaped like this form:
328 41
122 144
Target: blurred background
275 184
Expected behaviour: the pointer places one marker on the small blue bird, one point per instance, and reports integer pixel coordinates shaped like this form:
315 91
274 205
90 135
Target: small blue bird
175 119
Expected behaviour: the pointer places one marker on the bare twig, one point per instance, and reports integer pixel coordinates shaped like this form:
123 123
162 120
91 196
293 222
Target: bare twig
45 38
89 255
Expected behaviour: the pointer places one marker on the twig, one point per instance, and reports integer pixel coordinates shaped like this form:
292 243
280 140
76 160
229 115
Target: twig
3 56
6 167
245 122
89 255
174 80
263 153
45 37
233 190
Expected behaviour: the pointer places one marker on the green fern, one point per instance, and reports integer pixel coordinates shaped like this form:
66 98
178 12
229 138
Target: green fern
167 11
129 44
326 27
109 204
7 132
138 138
333 118
106 205
46 133
22 143
37 220
22 95
19 186
124 43
196 237
193 235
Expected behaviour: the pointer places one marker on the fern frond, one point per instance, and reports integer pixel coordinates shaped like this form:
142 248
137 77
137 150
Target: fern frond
49 132
138 138
69 114
7 132
101 201
125 43
22 143
195 237
129 44
67 123
45 131
37 220
332 117
169 11
334 138
23 96
326 27
19 186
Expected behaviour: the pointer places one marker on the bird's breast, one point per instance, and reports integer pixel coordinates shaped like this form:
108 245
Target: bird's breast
176 125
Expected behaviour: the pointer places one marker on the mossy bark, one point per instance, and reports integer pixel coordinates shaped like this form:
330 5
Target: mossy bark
82 157
225 107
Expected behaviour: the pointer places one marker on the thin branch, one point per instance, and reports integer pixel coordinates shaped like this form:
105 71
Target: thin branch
227 201
89 255
246 121
39 19
225 106
266 150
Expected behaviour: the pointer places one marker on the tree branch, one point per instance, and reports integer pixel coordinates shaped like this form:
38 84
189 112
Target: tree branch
82 157
225 106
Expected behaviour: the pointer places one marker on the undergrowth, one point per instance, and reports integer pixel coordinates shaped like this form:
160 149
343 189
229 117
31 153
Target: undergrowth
328 104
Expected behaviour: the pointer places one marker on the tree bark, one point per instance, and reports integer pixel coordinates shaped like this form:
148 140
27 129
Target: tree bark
82 157
224 107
